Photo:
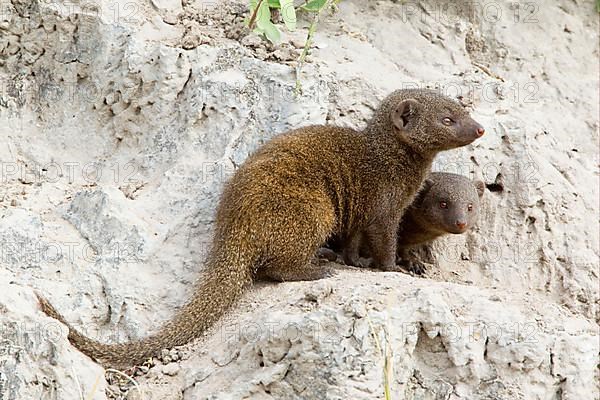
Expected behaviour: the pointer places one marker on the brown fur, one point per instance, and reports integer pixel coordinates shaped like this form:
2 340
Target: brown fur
425 220
295 192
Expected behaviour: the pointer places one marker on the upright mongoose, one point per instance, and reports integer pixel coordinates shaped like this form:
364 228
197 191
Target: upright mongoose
293 193
446 203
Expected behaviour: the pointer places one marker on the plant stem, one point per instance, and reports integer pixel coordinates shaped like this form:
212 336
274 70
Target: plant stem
311 31
254 15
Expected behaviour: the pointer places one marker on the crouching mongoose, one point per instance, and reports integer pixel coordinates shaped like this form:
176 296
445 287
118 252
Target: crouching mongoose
446 203
293 193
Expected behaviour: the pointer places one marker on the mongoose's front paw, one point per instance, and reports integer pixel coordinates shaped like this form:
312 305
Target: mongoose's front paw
351 259
416 267
358 262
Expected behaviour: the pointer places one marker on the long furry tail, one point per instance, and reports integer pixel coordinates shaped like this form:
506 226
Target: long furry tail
222 284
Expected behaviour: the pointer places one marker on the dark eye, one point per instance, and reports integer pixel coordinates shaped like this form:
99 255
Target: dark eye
443 204
447 121
470 207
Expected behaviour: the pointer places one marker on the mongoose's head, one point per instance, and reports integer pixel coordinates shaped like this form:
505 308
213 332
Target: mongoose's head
448 203
427 120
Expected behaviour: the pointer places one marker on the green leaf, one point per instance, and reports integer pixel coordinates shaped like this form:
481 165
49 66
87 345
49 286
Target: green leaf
272 33
314 5
288 13
264 24
274 4
263 17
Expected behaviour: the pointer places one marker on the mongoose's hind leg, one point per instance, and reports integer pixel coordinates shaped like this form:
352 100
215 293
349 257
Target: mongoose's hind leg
299 270
300 264
327 254
302 228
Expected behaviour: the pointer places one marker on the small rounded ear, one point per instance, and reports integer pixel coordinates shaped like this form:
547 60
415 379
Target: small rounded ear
403 112
480 186
423 190
426 185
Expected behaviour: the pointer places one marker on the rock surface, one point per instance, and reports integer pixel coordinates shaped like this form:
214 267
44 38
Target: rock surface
121 121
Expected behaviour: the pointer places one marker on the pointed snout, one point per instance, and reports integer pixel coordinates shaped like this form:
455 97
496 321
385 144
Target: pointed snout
461 225
471 130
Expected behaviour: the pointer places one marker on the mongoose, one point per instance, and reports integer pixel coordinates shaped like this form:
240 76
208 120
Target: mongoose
293 193
446 203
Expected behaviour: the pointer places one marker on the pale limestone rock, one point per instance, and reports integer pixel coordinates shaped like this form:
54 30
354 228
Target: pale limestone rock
118 134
